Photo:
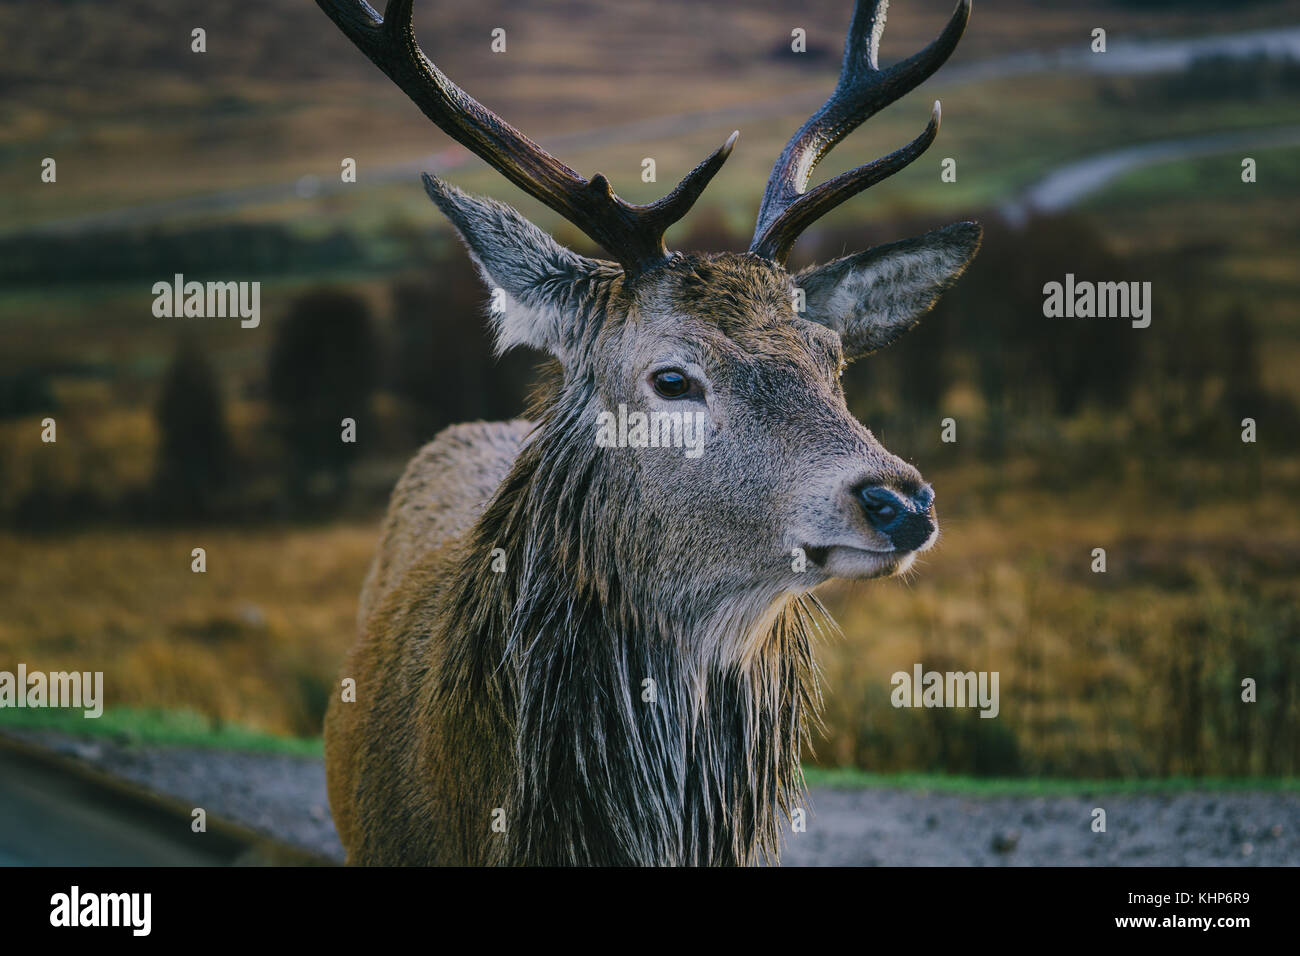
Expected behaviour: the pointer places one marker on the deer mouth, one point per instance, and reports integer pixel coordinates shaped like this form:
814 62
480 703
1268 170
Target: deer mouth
846 561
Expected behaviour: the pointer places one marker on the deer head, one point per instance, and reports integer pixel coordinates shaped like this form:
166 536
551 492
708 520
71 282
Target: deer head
786 469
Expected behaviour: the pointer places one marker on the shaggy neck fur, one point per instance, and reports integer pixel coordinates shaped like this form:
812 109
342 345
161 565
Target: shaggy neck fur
556 654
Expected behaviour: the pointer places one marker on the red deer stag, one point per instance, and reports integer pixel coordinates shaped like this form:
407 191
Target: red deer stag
583 652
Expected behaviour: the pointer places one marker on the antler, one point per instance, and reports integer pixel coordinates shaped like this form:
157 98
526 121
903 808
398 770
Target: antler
633 234
862 91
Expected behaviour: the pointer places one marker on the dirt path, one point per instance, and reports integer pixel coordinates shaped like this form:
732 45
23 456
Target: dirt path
284 797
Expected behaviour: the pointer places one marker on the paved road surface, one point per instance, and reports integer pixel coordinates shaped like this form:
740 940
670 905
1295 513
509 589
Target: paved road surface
52 819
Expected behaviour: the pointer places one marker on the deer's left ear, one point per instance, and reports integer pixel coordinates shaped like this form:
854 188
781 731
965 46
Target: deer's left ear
873 297
538 276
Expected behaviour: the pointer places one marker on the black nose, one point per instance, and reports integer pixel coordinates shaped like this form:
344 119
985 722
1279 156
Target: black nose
905 520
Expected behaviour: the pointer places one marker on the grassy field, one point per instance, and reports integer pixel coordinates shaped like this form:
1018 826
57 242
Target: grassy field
1240 237
255 640
1133 673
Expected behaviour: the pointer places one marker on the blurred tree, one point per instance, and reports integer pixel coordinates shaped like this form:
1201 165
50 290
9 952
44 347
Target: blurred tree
1219 77
194 463
922 357
442 360
1244 394
26 392
1026 361
323 369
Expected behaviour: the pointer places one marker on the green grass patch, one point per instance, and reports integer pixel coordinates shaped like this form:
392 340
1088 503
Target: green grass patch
159 728
1205 178
185 728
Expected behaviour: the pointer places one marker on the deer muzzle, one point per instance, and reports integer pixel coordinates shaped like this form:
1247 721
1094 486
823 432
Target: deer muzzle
906 520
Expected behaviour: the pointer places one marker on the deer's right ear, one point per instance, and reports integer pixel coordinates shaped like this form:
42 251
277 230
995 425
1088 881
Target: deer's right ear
536 274
873 297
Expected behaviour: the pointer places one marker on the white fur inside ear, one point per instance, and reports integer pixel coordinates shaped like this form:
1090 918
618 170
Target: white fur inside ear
873 297
515 324
897 289
530 277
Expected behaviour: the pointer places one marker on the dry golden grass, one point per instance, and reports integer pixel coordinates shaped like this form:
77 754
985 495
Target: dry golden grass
114 446
256 640
1135 672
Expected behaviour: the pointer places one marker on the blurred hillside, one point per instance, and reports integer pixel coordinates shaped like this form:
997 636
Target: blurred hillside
115 93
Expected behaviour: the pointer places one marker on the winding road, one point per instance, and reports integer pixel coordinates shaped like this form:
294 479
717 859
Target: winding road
1068 184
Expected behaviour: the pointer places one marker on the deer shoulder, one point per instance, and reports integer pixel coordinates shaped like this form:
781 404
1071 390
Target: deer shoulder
440 495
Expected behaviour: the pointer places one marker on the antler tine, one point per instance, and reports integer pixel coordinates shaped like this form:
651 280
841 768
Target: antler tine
862 91
776 241
633 234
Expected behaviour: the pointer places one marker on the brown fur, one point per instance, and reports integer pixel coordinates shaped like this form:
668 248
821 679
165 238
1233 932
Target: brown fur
380 738
516 697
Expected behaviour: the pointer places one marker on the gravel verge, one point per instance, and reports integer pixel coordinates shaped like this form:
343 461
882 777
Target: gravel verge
283 797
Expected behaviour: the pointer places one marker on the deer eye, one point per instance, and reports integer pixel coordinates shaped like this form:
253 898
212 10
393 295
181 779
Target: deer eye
671 383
